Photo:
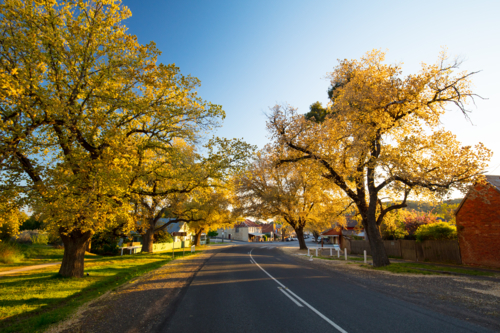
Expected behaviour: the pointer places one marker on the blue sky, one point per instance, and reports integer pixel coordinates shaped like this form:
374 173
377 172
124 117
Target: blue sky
251 55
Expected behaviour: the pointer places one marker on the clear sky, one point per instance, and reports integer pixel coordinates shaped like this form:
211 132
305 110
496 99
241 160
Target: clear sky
251 55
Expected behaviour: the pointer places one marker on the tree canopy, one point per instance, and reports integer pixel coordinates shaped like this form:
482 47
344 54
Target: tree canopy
382 137
85 107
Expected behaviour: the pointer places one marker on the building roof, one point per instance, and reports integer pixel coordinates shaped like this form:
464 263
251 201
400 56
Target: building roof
331 232
247 223
174 227
494 180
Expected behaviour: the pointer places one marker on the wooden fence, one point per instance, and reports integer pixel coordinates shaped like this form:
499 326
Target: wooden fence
434 251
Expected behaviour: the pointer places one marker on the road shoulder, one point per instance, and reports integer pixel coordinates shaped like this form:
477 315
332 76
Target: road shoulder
141 305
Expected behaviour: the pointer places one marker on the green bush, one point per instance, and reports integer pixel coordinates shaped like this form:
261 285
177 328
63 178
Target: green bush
39 238
436 231
265 238
10 253
212 233
162 237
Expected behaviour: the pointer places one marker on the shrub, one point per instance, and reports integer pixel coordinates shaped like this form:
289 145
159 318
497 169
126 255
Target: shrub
9 227
436 231
212 233
414 220
10 253
264 237
104 243
39 238
162 237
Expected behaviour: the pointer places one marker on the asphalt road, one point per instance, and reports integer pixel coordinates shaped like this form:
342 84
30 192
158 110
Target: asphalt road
255 288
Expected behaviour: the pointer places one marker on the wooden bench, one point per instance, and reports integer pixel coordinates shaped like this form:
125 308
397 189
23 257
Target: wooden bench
132 246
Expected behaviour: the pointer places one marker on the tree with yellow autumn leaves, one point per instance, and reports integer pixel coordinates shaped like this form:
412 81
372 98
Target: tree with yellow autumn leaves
293 193
82 103
382 137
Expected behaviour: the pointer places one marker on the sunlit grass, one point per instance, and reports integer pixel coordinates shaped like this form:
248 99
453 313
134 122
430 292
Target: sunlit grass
38 254
416 268
31 301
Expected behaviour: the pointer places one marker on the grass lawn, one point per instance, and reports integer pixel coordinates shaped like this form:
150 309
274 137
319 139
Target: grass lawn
414 268
31 301
429 269
39 254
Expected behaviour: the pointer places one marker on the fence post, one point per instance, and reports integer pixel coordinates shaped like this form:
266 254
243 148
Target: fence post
316 252
192 249
331 252
365 255
345 252
338 253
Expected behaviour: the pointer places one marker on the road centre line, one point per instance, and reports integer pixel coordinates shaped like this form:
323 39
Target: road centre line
290 297
340 329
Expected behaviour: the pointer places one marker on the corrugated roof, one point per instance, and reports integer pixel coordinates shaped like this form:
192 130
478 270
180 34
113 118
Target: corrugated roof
247 223
174 227
494 180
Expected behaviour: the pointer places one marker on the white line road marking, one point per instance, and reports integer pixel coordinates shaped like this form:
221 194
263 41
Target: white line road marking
290 297
340 329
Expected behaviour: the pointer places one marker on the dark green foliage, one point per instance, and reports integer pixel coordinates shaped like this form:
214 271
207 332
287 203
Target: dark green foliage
212 233
162 237
317 113
31 224
104 244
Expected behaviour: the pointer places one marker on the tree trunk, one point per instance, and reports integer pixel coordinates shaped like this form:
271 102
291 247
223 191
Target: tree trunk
300 236
377 247
147 240
197 238
75 244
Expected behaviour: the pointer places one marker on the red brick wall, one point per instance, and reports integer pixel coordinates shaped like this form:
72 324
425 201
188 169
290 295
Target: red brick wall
478 226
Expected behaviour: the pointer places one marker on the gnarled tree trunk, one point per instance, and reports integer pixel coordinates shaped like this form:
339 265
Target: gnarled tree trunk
147 240
75 244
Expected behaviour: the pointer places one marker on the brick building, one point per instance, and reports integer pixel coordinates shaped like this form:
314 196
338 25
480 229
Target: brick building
478 224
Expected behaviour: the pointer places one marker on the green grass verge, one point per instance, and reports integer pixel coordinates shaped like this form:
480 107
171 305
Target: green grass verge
415 268
39 254
401 268
34 300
